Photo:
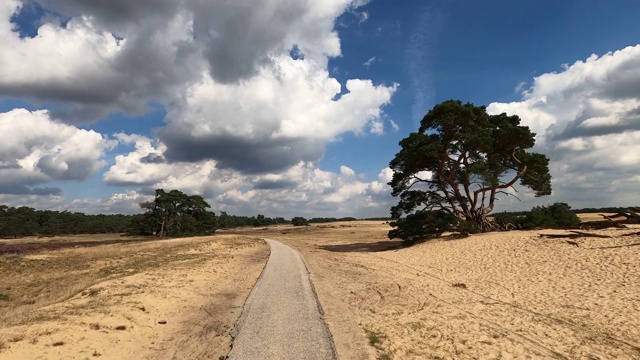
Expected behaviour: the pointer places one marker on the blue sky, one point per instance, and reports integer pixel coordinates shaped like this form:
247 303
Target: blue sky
105 101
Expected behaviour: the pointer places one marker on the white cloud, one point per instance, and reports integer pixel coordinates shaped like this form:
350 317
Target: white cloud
245 120
283 115
139 52
302 188
394 125
587 120
36 149
370 61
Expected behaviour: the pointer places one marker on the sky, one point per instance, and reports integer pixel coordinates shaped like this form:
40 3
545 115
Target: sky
295 107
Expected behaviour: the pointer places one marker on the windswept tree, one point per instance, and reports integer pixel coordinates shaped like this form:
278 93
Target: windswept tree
449 174
175 213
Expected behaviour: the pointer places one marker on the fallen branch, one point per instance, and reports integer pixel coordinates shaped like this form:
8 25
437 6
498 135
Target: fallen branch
574 235
599 225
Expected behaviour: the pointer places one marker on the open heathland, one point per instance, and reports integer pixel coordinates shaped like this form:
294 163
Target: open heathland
488 296
121 298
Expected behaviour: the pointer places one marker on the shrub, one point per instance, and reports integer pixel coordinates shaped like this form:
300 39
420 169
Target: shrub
423 225
558 215
299 221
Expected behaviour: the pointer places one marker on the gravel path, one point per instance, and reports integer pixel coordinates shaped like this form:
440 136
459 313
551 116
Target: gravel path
281 318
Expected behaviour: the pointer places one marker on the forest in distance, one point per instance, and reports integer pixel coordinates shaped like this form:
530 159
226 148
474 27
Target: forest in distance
26 221
181 214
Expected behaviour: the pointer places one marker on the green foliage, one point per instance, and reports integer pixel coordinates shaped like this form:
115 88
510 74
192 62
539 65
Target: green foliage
175 213
505 218
4 297
25 221
299 221
465 227
558 215
458 163
423 225
226 221
555 216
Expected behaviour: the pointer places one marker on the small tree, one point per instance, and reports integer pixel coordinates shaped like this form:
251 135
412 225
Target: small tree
456 165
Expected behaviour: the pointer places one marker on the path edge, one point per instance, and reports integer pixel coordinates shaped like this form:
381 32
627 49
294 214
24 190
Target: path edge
243 314
334 352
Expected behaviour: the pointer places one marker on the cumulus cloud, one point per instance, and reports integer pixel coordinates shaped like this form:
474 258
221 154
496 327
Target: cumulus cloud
93 58
587 120
302 187
281 116
222 69
89 68
36 150
250 103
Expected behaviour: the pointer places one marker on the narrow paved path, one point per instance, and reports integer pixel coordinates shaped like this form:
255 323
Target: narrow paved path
281 318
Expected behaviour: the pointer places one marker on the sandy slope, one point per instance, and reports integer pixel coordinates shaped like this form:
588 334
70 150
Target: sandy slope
489 296
119 318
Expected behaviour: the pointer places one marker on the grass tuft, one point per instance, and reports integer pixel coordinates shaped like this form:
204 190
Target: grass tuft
460 285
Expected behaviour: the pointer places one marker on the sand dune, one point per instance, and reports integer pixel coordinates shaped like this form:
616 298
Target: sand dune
511 295
488 296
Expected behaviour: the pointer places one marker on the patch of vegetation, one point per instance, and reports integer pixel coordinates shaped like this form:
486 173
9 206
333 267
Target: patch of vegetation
459 285
375 338
450 172
555 216
4 297
299 221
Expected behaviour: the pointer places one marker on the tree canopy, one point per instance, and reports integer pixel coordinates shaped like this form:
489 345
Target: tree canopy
450 172
175 213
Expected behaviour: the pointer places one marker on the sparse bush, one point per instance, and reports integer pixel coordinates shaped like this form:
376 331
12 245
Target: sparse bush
4 297
466 227
504 219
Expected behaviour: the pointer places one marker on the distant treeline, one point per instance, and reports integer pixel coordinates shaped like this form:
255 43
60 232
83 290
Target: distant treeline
26 221
576 211
171 213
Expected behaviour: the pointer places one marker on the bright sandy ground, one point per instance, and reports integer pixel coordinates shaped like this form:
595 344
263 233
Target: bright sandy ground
488 296
117 294
518 296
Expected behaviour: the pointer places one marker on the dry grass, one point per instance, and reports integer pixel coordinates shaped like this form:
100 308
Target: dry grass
33 281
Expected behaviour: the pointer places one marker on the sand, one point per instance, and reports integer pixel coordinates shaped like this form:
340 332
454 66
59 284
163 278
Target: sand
509 295
119 318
